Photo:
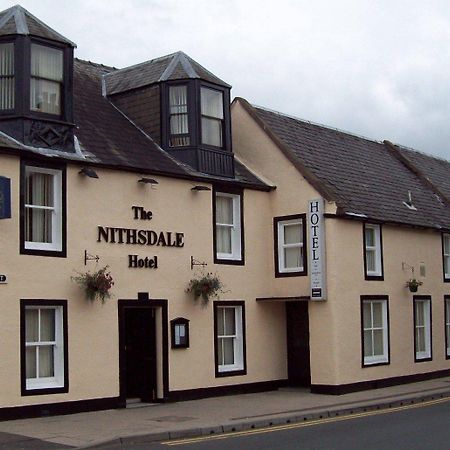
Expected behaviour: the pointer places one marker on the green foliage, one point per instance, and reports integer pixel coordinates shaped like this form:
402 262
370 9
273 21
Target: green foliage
205 287
413 284
96 285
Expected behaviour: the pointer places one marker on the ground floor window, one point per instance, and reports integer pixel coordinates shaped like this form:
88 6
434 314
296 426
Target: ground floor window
375 330
44 346
229 327
422 328
447 326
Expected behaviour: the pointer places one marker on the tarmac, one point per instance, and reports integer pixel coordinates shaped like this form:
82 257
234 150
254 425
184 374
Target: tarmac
140 423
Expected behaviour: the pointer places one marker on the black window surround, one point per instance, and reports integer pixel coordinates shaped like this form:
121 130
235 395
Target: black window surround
233 191
276 237
202 157
382 298
367 275
447 333
445 276
427 298
62 253
243 370
22 76
24 303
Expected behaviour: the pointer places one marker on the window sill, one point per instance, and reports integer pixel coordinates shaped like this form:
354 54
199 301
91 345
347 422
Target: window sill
374 277
298 273
426 358
380 362
230 373
42 252
231 261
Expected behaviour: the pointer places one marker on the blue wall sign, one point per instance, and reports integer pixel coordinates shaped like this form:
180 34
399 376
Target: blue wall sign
5 198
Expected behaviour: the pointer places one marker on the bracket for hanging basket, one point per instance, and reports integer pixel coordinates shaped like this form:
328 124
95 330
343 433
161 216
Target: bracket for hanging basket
89 257
194 263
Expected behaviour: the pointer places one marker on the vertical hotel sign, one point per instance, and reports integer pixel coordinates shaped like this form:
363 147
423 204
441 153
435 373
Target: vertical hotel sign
316 228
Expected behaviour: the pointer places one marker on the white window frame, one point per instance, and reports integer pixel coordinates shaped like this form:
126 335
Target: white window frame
282 245
447 326
56 244
446 255
426 326
238 341
376 249
57 381
383 358
235 227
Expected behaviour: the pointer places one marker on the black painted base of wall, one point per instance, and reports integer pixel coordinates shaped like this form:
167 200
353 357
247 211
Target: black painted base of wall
376 384
62 408
248 388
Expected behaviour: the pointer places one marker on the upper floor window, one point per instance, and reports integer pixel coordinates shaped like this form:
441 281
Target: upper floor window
43 211
290 256
46 79
178 116
446 255
373 252
6 76
212 117
228 227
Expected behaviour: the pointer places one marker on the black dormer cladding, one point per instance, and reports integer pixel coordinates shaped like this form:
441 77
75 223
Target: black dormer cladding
27 120
142 92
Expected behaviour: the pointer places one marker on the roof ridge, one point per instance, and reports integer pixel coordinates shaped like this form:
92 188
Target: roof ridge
395 150
421 152
92 63
317 124
159 58
19 13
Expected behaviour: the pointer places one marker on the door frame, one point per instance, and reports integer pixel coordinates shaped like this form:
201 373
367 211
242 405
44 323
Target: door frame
291 382
162 359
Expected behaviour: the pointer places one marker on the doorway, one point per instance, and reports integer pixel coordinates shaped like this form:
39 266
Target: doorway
298 353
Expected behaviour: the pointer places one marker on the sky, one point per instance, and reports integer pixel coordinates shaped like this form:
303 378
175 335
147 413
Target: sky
376 68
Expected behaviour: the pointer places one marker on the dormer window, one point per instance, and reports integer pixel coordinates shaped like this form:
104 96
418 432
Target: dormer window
7 76
212 117
46 79
179 118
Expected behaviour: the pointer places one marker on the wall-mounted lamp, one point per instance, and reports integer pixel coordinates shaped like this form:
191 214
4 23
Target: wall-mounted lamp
91 173
147 181
200 188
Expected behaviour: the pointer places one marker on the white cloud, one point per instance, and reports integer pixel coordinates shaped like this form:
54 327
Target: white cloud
375 67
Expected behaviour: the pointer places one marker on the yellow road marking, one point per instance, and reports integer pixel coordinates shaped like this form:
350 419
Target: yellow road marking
309 423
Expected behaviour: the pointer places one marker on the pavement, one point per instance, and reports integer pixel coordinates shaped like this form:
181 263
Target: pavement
142 423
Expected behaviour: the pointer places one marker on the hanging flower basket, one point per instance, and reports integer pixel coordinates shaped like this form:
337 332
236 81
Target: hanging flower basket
96 285
205 287
413 284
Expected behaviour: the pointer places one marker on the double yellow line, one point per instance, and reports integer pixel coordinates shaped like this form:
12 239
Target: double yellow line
309 423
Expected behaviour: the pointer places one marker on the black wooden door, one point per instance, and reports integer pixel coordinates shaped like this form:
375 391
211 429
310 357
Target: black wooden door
297 327
140 353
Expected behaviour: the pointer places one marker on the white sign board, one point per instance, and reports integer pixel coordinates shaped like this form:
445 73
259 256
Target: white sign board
317 263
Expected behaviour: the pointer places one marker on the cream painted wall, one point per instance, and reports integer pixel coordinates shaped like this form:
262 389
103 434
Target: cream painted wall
346 284
335 325
93 328
291 196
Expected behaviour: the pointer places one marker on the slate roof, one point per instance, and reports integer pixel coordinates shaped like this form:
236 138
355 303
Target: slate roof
105 136
364 177
436 170
176 66
17 20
